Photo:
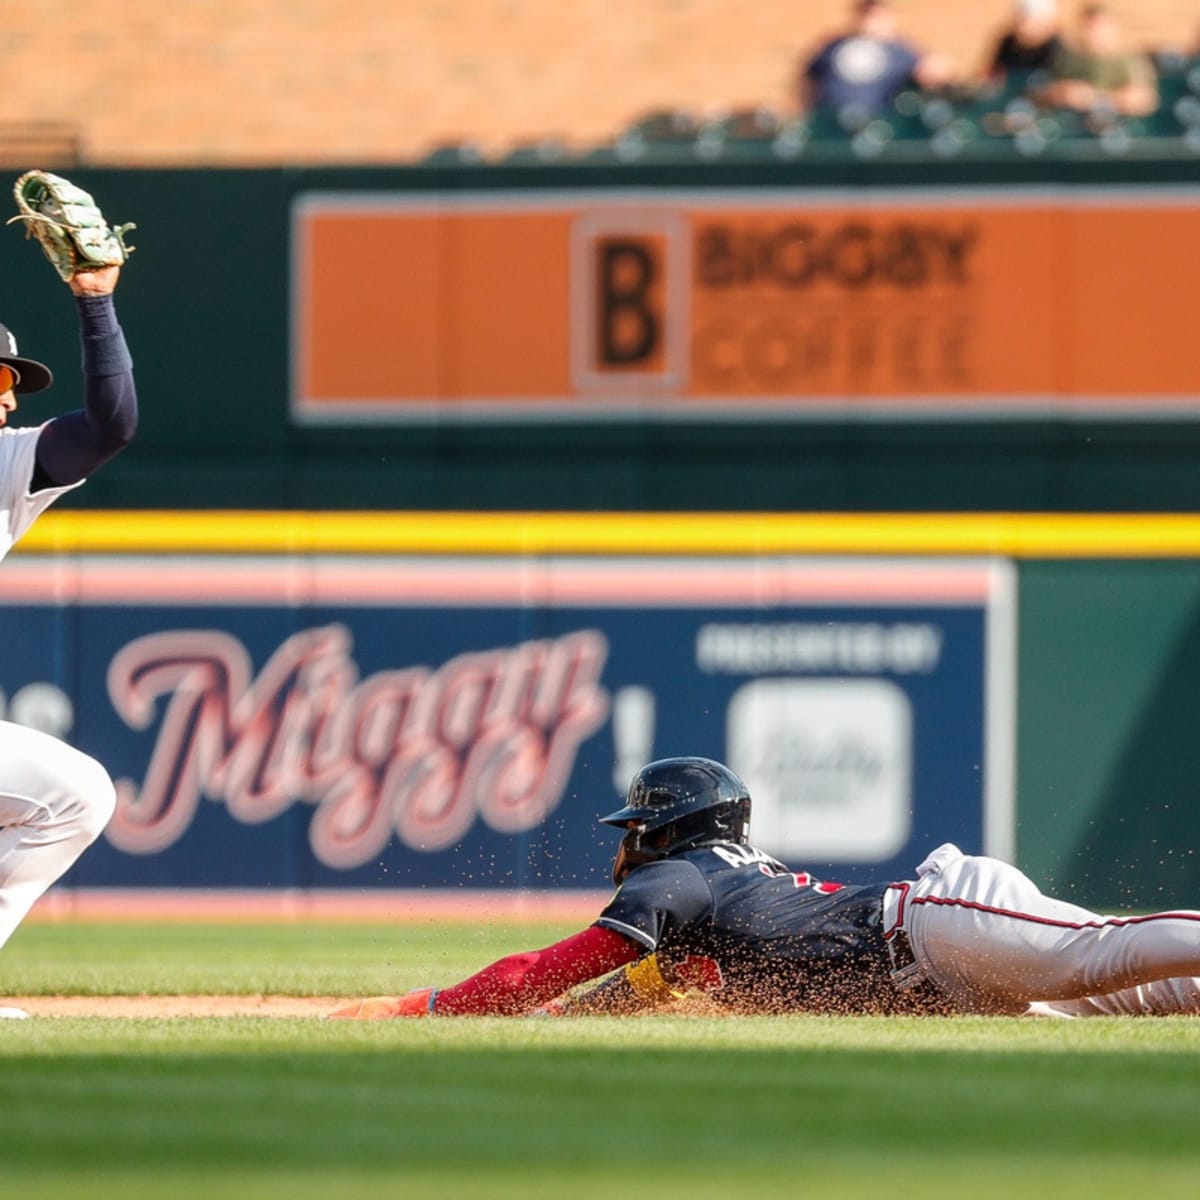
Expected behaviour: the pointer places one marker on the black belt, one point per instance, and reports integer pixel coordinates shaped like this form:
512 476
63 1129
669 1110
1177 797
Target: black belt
900 950
924 992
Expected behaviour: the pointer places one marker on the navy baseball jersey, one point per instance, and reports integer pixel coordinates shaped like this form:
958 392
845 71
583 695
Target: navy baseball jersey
737 923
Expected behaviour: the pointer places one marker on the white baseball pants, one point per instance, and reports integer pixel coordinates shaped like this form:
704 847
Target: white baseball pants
992 942
1162 998
54 802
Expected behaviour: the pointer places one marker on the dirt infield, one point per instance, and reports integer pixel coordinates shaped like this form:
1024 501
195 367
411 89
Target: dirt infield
174 1006
130 1007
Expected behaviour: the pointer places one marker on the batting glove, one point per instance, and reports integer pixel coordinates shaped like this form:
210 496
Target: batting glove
381 1008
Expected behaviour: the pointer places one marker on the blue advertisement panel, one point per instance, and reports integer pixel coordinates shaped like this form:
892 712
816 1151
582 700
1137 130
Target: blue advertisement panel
399 722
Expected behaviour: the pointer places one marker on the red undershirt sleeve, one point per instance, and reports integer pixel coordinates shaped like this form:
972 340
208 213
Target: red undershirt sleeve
522 982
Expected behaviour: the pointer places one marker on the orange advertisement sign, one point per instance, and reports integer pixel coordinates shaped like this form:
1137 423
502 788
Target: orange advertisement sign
702 303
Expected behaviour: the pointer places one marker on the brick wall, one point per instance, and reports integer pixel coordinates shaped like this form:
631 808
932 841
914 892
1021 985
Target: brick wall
276 81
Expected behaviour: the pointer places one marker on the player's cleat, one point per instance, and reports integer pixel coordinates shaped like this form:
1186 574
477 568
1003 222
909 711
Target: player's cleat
13 1014
1040 1009
383 1008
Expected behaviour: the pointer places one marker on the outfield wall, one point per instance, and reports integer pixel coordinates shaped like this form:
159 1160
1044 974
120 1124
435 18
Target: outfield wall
300 620
372 702
832 336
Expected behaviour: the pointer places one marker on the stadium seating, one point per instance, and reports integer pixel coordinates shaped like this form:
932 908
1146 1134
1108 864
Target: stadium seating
993 121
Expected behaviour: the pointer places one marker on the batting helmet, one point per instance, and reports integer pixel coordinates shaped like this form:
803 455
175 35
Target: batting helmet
678 804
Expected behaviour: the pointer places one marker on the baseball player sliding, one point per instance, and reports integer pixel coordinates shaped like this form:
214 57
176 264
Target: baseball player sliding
698 907
55 800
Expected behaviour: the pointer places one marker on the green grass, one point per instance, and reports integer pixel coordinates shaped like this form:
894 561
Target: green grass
293 959
263 1108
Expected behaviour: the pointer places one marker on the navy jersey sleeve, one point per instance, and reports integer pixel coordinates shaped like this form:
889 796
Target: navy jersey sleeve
655 897
73 445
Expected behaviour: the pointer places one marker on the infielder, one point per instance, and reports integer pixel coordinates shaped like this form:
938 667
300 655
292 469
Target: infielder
698 907
55 800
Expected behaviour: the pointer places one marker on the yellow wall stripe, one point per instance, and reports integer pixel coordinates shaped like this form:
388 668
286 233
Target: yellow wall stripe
1035 535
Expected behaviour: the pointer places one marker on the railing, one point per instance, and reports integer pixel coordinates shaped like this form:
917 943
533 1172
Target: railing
40 144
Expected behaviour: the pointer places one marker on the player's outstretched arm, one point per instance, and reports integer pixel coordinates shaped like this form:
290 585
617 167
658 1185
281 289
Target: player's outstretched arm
511 986
87 252
75 444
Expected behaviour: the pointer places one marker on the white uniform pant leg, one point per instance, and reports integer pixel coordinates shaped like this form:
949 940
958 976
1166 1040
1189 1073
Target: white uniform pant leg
993 942
54 802
1162 998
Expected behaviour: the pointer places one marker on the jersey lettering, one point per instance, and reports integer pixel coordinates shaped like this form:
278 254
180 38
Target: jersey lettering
744 856
749 856
802 879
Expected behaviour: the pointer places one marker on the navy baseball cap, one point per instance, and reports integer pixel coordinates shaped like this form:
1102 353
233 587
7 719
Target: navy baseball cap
34 376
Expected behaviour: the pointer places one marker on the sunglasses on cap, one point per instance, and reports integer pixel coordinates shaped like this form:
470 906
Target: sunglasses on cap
9 378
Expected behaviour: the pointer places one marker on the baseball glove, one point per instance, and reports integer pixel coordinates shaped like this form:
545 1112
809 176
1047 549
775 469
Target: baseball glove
66 221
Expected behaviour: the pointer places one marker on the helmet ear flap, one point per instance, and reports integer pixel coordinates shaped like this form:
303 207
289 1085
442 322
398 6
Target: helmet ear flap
741 820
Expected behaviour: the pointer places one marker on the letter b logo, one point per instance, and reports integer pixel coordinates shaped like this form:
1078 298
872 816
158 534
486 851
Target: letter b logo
630 300
628 278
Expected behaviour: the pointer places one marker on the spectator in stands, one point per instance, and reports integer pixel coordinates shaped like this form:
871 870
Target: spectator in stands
1096 72
867 66
1029 45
